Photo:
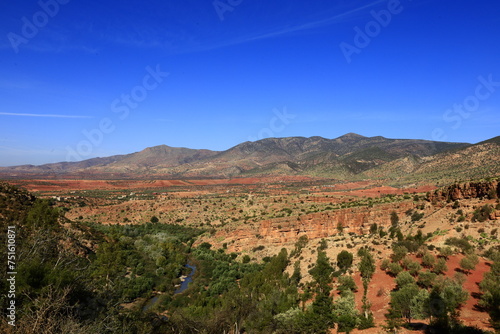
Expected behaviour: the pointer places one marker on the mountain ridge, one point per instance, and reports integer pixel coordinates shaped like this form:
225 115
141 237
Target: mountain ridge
346 156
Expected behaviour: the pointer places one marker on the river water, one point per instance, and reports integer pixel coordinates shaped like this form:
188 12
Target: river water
184 285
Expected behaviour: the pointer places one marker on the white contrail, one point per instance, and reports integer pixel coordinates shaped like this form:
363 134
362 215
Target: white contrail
43 115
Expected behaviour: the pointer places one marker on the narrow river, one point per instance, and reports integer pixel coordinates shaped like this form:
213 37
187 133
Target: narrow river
184 285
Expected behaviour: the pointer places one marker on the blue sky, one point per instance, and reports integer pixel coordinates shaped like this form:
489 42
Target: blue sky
98 78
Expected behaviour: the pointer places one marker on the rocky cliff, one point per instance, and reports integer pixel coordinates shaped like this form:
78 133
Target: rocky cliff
287 230
466 190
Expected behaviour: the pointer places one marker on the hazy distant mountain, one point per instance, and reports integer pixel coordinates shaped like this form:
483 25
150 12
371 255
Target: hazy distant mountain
342 157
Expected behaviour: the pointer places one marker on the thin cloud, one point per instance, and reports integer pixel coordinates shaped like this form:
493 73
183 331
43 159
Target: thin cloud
316 24
156 39
43 115
306 26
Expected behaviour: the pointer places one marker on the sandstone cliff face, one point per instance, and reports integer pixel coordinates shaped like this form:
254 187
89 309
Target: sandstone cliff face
467 190
287 230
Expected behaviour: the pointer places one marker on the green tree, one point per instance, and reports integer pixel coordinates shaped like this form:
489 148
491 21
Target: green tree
490 286
322 271
426 278
404 278
394 218
322 306
290 321
467 264
346 283
367 266
445 300
428 260
445 252
414 267
440 267
345 314
395 268
42 215
408 303
344 260
296 275
398 253
384 265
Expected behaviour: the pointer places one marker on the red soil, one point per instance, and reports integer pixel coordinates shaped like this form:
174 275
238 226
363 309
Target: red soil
384 190
382 284
65 185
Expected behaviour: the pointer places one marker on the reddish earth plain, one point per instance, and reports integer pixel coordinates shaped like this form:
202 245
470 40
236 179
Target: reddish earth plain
67 185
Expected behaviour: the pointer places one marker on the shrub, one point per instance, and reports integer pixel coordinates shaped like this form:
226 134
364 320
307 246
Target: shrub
385 264
344 260
346 283
416 216
395 268
426 279
404 278
461 243
394 218
258 248
482 214
440 266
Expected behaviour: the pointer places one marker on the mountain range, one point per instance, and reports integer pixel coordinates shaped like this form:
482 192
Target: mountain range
347 157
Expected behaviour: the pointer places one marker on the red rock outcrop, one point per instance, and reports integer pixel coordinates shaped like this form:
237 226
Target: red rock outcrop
287 230
466 190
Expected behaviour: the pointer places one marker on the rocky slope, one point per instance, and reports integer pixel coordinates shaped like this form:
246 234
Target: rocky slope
467 190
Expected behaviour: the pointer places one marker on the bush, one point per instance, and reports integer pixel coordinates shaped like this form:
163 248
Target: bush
461 243
346 283
416 216
395 268
404 278
344 260
258 248
482 214
440 266
426 279
385 264
394 218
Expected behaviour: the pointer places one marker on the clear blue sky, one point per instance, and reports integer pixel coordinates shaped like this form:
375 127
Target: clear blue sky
67 67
